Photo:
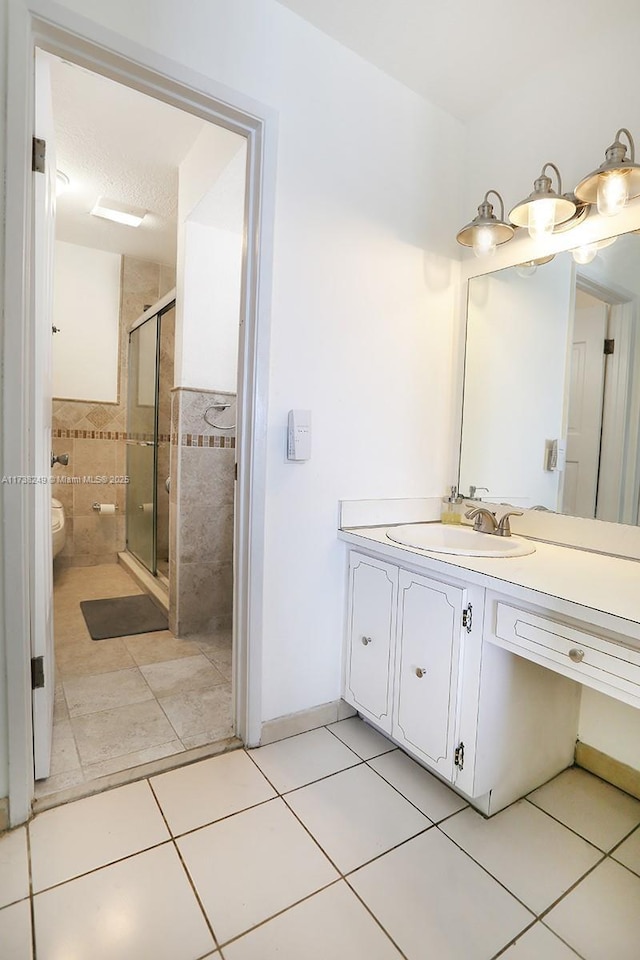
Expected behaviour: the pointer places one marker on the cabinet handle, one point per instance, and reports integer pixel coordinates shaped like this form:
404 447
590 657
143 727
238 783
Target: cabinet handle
420 672
576 655
366 640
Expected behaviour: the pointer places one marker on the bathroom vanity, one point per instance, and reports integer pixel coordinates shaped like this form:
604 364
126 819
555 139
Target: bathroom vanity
473 665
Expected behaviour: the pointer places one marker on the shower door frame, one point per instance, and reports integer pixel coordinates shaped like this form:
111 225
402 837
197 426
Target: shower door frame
157 311
57 30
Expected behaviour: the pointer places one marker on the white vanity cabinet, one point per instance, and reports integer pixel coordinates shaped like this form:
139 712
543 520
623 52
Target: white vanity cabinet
428 651
405 656
371 625
417 666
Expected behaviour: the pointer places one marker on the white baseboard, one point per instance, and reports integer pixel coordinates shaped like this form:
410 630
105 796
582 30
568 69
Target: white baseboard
293 723
607 768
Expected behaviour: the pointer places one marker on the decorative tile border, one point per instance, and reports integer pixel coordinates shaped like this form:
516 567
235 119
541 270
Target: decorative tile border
199 440
64 434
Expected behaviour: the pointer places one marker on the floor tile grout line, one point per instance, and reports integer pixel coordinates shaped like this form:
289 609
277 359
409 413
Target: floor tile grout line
572 829
501 952
487 871
353 750
192 884
562 940
32 909
262 923
341 875
617 846
302 785
414 805
544 913
103 866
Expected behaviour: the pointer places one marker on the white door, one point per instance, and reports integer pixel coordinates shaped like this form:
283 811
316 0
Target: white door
586 391
41 566
429 631
370 637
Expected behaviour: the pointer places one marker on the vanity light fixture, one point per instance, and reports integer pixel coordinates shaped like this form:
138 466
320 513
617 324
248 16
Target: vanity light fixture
588 251
545 209
616 181
529 267
119 212
486 232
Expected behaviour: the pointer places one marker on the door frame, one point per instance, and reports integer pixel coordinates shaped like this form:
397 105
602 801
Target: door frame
44 24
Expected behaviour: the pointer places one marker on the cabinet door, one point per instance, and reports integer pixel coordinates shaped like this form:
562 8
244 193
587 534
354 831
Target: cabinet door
373 587
427 668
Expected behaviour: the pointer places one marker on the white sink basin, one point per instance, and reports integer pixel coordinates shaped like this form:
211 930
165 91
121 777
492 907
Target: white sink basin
463 541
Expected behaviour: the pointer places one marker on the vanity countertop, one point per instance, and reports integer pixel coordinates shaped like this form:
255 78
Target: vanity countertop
599 583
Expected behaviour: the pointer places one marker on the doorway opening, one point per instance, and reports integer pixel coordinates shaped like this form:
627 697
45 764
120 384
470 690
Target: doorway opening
602 477
145 373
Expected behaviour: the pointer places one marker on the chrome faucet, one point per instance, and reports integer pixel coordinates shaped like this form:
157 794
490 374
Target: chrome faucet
485 521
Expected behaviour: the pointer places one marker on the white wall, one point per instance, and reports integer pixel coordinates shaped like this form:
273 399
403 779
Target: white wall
568 113
210 245
86 310
4 744
367 203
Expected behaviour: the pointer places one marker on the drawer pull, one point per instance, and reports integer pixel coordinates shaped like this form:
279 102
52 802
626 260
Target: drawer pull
366 640
420 672
576 655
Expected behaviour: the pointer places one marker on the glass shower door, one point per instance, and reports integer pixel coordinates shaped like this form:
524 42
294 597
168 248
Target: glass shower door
141 442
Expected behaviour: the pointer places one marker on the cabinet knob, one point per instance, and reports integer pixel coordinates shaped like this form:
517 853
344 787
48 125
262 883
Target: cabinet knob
576 655
420 672
366 640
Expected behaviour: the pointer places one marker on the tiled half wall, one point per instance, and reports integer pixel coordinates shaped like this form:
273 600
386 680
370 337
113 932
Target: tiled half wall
201 515
94 434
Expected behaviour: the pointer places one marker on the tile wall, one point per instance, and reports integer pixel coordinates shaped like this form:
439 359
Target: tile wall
202 504
94 434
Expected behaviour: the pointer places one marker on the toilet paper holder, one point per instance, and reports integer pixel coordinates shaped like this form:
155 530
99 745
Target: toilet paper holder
98 507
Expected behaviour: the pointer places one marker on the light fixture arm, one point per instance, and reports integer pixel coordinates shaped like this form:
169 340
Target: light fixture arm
632 146
496 194
557 173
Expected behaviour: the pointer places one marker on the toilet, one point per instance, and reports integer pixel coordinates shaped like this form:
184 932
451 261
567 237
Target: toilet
58 528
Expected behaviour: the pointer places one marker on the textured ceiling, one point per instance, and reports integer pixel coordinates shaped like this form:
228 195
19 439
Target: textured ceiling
115 142
461 55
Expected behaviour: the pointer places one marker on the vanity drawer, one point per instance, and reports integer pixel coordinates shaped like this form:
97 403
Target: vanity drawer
577 653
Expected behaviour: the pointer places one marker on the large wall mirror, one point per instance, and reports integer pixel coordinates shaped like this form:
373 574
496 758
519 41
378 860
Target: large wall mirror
551 404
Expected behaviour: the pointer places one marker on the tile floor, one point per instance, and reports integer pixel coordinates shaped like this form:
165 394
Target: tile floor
127 701
331 844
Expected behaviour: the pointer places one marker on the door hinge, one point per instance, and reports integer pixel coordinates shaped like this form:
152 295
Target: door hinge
609 347
37 673
38 155
236 472
467 617
458 756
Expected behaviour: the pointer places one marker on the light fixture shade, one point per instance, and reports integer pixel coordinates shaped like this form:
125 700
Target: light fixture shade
486 222
564 206
615 162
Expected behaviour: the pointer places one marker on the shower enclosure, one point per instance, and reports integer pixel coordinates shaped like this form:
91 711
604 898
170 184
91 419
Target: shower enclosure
151 353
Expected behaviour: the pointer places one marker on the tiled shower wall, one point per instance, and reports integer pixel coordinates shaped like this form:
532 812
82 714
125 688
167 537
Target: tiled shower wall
201 518
93 434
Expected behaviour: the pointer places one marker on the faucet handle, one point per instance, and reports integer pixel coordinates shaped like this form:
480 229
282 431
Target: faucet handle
504 527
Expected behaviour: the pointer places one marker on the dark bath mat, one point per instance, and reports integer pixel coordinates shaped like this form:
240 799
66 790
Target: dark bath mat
122 616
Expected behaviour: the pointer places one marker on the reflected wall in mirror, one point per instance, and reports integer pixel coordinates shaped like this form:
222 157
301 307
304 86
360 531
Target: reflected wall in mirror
551 404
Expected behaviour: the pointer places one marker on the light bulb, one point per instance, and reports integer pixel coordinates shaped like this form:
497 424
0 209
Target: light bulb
526 269
613 192
542 215
585 254
484 242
